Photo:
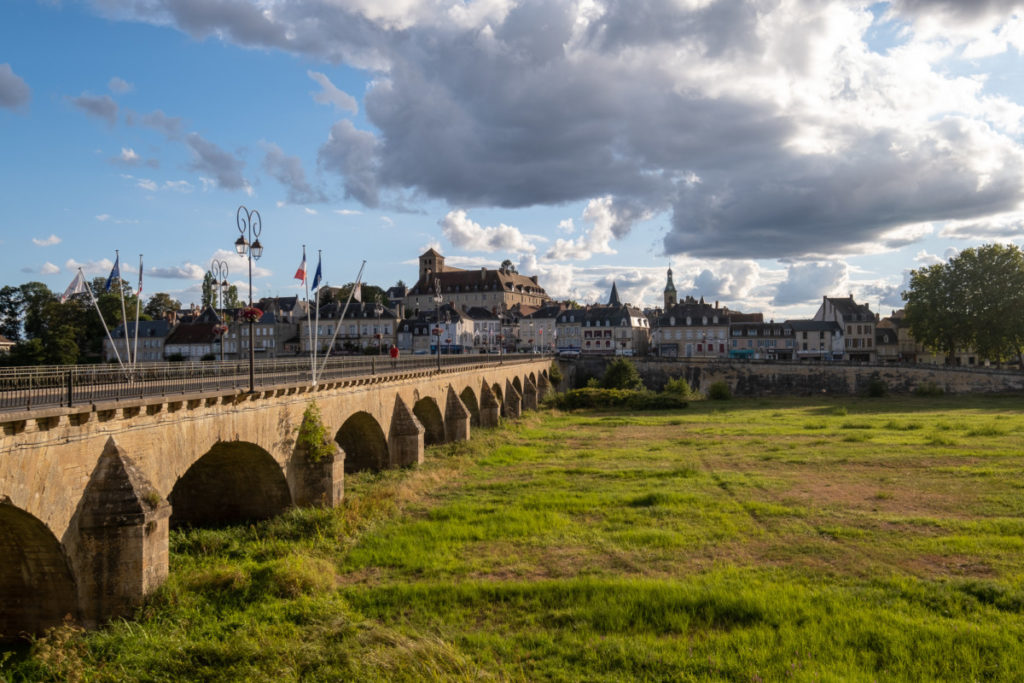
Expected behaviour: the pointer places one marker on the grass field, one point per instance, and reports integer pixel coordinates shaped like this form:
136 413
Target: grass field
855 540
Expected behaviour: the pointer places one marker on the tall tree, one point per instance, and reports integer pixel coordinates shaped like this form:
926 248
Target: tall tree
936 316
160 304
10 312
209 290
976 300
991 280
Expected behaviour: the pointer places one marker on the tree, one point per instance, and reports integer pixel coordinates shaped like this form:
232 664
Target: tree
936 316
621 374
209 290
975 299
369 294
231 299
10 312
508 267
160 304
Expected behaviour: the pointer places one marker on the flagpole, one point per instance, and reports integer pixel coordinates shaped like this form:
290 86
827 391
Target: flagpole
359 279
305 281
124 314
316 328
138 304
103 322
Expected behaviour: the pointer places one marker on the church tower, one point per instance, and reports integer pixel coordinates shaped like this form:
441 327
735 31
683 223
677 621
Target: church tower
670 292
430 262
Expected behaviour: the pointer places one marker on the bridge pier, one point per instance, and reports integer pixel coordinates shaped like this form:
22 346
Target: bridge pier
529 395
513 407
405 442
318 483
456 418
543 387
490 408
121 553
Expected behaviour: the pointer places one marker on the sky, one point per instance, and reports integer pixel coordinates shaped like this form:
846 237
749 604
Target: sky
770 152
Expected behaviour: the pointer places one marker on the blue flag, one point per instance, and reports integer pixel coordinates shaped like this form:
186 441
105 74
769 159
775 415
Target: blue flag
114 272
316 277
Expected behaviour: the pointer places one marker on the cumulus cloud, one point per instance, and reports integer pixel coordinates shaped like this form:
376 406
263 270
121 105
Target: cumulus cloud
807 282
102 106
129 157
186 271
14 92
288 171
464 233
209 158
762 129
329 94
728 281
606 221
119 85
100 267
46 241
49 269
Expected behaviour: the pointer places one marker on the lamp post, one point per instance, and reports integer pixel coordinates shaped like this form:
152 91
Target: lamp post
378 309
438 298
219 269
248 244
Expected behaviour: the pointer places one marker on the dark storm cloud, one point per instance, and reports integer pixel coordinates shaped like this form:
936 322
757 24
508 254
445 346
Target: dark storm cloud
550 102
14 92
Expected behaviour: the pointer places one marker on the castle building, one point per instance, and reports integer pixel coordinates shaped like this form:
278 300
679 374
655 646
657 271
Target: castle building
494 290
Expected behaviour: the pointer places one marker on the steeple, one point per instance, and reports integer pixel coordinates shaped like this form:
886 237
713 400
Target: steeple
613 300
670 292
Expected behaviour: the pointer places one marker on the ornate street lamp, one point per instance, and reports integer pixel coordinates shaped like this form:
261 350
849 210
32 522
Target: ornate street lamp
248 244
219 270
438 298
378 309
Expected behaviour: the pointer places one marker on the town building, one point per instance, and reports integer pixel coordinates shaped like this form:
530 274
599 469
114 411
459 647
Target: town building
818 340
858 323
539 329
495 290
366 325
691 329
614 328
149 346
761 340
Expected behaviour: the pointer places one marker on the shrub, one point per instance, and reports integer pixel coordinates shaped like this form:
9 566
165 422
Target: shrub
679 387
313 436
555 374
621 374
719 391
877 388
593 383
928 389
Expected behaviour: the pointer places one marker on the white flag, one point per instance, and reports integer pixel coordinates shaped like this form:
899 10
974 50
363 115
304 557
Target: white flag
77 286
357 293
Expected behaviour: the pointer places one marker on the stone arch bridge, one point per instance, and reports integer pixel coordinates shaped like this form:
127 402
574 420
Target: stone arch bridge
88 493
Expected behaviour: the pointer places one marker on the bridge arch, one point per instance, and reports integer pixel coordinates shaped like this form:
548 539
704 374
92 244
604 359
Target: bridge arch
468 397
363 441
428 413
36 586
518 384
235 481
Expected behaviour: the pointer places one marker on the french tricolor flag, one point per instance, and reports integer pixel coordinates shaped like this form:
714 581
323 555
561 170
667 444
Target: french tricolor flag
300 274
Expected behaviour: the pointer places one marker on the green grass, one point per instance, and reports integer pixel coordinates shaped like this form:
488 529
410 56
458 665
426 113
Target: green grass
744 540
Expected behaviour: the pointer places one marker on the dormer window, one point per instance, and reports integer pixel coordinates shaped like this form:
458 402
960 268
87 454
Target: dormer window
672 321
688 320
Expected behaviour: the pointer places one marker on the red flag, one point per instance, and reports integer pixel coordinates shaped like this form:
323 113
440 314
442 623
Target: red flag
300 274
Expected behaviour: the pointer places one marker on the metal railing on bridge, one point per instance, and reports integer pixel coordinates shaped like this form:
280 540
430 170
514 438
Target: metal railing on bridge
28 388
